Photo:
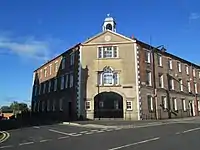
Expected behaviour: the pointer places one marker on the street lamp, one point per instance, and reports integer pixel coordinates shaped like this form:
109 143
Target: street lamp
154 77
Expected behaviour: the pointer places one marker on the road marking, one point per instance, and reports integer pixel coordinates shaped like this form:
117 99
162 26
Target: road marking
36 127
132 144
109 130
59 132
64 137
6 135
45 140
89 133
77 134
7 146
177 133
83 131
100 131
94 130
118 128
190 130
27 143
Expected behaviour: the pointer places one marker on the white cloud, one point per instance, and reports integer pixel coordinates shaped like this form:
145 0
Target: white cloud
29 47
194 16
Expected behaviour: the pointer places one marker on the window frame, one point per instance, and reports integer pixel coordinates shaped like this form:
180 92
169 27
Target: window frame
127 105
148 56
160 63
150 78
100 52
86 104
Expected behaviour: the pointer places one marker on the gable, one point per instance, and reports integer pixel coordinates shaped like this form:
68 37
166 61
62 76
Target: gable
108 37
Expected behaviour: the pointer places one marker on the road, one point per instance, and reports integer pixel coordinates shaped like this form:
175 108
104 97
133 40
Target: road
173 136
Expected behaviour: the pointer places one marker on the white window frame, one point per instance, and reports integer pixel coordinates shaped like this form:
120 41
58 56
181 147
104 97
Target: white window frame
48 105
45 72
181 84
198 102
172 82
49 86
50 69
179 66
196 87
174 101
63 62
44 87
66 80
194 72
161 79
147 56
151 104
62 83
87 103
164 101
187 69
149 78
71 80
170 63
189 86
56 66
129 105
101 50
184 104
55 84
160 60
72 58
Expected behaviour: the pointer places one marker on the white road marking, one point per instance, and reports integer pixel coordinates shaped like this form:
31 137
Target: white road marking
100 131
83 131
132 144
45 140
7 146
94 130
76 134
27 143
177 133
109 130
36 127
118 128
190 130
89 133
64 137
64 133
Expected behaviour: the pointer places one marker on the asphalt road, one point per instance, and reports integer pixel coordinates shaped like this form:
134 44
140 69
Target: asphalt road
183 136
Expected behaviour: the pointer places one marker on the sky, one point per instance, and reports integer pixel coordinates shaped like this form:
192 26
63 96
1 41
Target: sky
32 32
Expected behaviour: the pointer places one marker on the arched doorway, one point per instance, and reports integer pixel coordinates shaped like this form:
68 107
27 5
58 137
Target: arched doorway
108 105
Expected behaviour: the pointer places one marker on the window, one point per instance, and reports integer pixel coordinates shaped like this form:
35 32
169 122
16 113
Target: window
179 66
71 58
50 69
198 105
161 81
171 84
159 60
101 104
62 82
71 79
129 105
66 80
108 52
170 64
61 104
188 84
108 77
45 72
180 84
63 62
54 105
41 73
87 105
174 102
195 88
164 102
34 107
186 69
43 105
148 78
148 56
183 104
55 84
150 103
194 72
38 106
48 105
56 66
40 88
44 88
49 87
35 91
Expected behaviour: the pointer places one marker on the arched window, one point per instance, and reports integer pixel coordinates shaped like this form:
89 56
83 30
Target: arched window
108 77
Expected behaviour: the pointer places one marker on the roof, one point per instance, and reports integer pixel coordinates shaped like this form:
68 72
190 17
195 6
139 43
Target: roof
147 46
57 56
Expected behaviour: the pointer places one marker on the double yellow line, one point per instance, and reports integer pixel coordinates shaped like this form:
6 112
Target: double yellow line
5 134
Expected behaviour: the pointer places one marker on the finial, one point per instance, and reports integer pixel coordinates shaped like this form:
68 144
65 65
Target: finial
108 15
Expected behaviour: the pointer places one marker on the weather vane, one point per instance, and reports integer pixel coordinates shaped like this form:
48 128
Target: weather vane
108 15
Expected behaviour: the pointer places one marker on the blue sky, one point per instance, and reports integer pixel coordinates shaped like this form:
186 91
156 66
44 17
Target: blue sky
34 31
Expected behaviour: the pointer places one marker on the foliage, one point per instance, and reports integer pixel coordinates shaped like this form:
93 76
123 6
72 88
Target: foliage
15 107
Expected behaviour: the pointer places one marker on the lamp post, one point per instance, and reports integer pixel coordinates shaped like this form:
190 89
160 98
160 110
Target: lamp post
154 77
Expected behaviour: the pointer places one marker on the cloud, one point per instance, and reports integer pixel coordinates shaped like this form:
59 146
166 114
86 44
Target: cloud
27 47
194 16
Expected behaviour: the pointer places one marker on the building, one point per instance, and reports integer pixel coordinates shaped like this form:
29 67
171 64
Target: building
114 76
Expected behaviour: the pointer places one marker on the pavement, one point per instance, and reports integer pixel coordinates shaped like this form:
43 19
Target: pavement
173 135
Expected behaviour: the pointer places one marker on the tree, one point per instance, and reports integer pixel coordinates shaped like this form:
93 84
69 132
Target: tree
6 109
18 107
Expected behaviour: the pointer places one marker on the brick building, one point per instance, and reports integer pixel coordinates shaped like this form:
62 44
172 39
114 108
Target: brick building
114 76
